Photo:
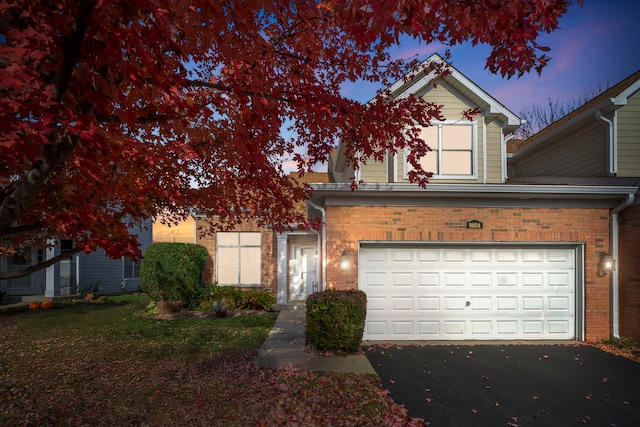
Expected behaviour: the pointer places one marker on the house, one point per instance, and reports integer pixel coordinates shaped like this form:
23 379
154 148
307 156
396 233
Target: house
94 271
496 247
598 144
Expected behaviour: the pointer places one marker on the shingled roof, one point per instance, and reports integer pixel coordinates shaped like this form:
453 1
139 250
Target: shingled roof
609 94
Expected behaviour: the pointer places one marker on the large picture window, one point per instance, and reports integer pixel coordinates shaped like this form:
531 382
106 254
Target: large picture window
453 154
238 258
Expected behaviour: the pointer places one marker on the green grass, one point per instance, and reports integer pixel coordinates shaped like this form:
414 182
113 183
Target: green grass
104 363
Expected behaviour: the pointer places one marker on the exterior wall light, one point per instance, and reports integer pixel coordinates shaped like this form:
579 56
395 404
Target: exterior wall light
345 261
606 264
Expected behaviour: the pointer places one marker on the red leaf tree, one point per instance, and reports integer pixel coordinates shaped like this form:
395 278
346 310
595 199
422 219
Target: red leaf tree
112 111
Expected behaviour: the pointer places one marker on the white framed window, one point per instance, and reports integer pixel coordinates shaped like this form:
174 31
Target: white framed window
131 268
238 257
454 151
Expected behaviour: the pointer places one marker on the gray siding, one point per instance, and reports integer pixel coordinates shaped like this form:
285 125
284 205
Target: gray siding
581 152
629 138
494 153
374 171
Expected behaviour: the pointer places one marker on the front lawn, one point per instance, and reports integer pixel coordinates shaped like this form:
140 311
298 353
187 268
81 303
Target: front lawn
103 364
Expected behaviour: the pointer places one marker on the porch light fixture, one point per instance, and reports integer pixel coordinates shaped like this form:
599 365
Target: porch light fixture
345 261
606 264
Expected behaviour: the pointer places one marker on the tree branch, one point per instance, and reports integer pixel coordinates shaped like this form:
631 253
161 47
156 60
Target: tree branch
39 266
21 229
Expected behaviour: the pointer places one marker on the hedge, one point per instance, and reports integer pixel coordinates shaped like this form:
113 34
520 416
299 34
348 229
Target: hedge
172 272
335 320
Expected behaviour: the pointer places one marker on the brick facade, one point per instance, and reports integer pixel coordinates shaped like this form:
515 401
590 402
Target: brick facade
629 272
269 273
348 225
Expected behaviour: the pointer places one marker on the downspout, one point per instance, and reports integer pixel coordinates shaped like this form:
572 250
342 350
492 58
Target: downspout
484 150
615 322
503 153
322 240
612 146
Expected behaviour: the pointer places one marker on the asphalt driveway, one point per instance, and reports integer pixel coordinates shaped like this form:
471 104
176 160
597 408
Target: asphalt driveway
511 385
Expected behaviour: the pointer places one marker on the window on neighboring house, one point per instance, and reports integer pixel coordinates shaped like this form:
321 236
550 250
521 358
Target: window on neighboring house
453 154
131 269
238 258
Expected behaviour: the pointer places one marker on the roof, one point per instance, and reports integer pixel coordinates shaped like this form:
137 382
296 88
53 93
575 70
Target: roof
491 108
614 97
309 177
505 195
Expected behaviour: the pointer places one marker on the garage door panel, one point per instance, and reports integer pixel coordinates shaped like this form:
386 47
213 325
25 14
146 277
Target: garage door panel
559 303
454 256
402 256
481 303
402 329
507 279
428 279
454 279
429 329
487 293
376 303
428 303
454 303
532 279
481 327
402 303
373 279
428 255
480 279
401 279
559 327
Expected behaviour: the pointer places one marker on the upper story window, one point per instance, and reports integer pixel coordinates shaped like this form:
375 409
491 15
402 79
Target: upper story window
454 151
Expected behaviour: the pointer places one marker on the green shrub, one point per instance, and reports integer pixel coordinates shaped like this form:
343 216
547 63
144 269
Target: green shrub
335 320
171 272
258 299
233 296
621 342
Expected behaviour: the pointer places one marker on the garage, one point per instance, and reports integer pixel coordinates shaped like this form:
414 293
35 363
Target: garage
473 292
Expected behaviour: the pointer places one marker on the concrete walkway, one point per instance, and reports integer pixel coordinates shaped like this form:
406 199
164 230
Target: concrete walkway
285 346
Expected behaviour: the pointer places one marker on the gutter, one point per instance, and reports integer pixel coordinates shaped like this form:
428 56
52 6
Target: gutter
612 147
322 240
615 315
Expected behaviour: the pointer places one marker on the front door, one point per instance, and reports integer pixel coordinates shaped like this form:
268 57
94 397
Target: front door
303 280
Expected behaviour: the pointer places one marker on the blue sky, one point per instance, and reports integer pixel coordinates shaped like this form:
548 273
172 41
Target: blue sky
597 45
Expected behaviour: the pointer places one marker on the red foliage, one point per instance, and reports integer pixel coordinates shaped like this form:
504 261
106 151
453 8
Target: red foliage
113 111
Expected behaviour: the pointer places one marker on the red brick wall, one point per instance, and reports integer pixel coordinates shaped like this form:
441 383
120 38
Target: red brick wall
269 266
348 225
629 272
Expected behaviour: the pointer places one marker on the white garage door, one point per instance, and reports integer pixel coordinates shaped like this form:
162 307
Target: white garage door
477 293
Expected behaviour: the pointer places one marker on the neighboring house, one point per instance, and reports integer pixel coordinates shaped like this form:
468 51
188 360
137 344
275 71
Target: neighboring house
81 272
496 247
598 144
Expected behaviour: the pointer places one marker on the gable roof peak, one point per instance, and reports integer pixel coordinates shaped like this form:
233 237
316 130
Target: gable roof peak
434 69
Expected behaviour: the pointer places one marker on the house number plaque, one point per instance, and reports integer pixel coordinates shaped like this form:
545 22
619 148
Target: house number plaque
475 225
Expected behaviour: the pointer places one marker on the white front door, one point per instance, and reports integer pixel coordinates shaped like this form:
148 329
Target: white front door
462 293
302 276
